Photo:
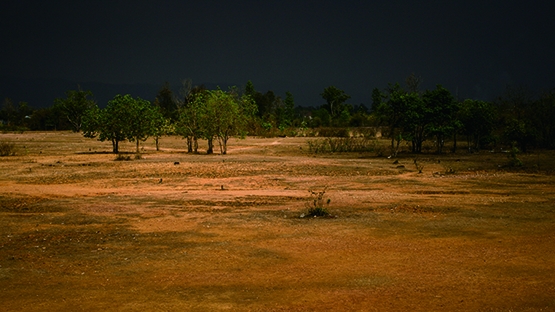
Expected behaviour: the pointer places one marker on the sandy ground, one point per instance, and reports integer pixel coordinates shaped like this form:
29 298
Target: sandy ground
181 232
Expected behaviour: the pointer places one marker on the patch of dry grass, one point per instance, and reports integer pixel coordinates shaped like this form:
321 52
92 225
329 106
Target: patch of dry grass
212 233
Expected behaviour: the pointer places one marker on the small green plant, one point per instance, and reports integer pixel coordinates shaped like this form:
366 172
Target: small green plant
514 161
316 205
7 149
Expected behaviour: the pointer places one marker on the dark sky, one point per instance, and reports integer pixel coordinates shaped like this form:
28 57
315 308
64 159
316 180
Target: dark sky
474 48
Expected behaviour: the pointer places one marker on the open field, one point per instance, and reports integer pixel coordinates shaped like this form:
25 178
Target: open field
180 232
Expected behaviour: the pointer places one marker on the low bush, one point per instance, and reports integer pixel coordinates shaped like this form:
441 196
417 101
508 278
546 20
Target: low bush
121 157
7 149
342 145
316 205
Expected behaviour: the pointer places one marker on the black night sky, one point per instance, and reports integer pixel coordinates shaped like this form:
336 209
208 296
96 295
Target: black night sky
473 48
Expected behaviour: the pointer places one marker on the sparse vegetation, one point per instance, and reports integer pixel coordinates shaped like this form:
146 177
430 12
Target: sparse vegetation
514 161
317 206
228 229
7 148
418 166
341 145
122 157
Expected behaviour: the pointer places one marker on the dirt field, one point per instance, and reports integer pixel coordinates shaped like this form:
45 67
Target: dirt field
180 232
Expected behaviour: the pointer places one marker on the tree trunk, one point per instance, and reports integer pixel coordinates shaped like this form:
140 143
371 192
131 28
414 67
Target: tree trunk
189 144
157 143
210 149
115 148
137 150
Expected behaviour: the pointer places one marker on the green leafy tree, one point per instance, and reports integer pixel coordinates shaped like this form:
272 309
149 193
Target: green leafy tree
477 121
415 118
389 107
441 109
142 118
226 115
249 89
161 126
515 107
74 106
335 100
124 118
283 112
191 116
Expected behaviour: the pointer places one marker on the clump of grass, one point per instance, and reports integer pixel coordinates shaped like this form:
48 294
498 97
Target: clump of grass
121 157
7 148
316 206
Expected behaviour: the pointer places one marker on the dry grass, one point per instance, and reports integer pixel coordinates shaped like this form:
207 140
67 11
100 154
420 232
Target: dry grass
179 232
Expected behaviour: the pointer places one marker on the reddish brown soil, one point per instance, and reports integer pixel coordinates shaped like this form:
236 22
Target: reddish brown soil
180 232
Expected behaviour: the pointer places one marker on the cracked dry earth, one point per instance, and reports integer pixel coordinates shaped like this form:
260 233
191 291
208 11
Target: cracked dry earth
180 232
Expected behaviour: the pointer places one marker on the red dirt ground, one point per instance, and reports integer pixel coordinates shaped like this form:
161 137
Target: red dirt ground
181 232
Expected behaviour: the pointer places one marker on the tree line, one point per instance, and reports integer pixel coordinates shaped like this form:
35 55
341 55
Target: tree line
405 114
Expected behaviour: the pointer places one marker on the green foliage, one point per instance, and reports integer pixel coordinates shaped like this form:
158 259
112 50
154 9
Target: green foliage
74 107
124 118
514 161
217 115
477 121
15 118
441 109
335 100
341 145
227 114
191 115
414 116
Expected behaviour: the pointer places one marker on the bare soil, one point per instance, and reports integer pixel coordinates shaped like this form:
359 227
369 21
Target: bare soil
182 232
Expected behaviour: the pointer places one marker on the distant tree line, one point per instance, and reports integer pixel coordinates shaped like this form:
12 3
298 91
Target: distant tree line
403 114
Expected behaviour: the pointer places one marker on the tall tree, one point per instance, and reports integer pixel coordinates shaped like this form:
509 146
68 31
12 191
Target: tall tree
390 111
142 119
441 109
516 107
191 115
165 100
335 100
226 115
74 106
124 118
477 120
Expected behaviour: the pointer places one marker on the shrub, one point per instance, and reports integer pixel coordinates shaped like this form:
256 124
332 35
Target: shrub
333 132
341 145
514 161
121 157
7 149
316 205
